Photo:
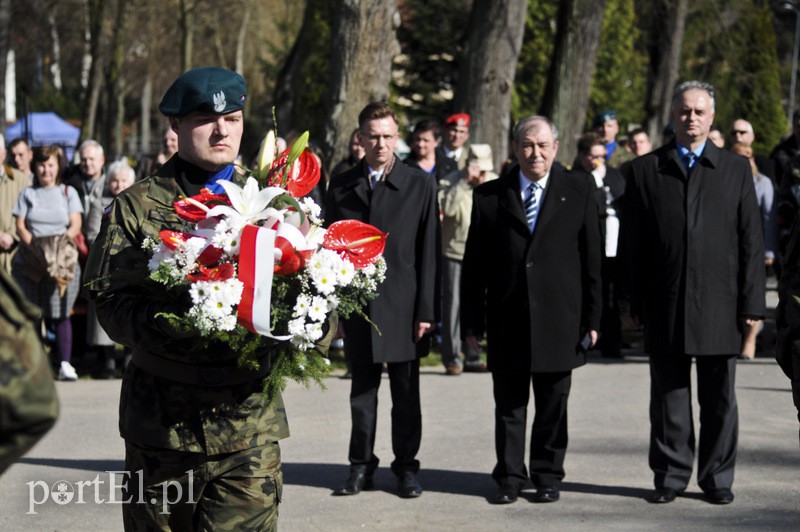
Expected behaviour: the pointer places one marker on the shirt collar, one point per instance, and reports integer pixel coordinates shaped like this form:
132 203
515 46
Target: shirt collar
524 181
684 151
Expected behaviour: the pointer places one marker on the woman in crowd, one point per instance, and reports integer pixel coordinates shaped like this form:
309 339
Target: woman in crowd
48 218
120 176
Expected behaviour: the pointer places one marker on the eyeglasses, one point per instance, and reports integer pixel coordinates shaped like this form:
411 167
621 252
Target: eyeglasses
739 132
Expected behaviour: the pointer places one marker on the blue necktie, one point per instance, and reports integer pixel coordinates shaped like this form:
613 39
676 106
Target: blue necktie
690 159
531 205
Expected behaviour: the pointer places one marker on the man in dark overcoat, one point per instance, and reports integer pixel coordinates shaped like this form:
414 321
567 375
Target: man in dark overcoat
400 201
694 252
531 281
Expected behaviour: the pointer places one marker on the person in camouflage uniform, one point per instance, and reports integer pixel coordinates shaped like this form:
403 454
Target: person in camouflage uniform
189 416
28 402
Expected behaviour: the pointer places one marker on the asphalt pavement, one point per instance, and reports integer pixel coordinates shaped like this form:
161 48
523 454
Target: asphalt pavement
606 486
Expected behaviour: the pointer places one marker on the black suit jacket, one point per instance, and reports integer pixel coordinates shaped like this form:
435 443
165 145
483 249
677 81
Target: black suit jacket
693 249
533 294
404 206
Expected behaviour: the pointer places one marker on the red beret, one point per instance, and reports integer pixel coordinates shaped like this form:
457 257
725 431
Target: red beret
460 119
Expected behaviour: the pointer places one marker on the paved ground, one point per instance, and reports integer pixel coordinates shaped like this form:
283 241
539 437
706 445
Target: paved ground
607 474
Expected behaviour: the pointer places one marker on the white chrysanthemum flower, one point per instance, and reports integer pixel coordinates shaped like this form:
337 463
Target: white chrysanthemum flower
302 305
318 310
297 327
324 281
313 331
333 302
345 272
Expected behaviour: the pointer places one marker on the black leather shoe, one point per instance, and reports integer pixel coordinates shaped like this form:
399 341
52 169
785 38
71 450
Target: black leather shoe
358 481
506 494
408 485
720 496
664 495
546 494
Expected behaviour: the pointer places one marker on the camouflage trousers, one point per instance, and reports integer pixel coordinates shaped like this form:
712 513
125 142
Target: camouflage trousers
176 490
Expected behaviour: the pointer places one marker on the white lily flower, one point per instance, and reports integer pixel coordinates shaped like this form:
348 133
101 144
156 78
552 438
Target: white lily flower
249 202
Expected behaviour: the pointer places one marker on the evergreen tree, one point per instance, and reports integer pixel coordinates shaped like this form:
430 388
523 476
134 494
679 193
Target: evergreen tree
734 49
620 76
425 75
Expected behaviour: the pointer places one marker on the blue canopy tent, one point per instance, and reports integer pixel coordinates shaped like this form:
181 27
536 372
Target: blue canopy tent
43 129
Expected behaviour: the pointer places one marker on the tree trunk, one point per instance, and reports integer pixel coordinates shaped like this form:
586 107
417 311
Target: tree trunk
286 84
114 83
145 102
95 9
363 45
55 66
668 28
187 33
5 24
241 39
487 71
566 97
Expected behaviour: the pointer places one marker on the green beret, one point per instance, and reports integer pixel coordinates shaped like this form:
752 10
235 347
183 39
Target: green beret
208 90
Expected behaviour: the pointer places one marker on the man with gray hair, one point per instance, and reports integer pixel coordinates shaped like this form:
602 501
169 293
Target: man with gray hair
531 282
694 253
90 180
742 133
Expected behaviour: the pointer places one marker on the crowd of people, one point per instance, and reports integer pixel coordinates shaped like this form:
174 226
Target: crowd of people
534 263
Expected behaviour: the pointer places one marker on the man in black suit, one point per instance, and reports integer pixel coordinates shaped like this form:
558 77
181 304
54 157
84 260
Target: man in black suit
401 201
694 252
531 280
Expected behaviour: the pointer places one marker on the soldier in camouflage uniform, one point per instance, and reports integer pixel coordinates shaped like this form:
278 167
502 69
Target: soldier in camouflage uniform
28 402
189 416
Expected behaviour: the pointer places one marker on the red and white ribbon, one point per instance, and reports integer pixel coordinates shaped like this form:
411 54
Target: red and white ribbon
256 266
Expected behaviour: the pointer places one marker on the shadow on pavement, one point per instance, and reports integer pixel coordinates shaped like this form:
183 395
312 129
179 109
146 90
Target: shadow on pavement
87 465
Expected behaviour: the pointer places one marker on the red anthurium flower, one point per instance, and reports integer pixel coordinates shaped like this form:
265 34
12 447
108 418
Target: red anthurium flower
223 272
195 208
171 239
290 260
356 241
210 255
303 174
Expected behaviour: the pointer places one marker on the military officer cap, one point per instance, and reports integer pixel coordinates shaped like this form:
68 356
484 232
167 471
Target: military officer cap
460 119
208 90
603 117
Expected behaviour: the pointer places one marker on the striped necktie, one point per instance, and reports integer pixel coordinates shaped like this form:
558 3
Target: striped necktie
531 205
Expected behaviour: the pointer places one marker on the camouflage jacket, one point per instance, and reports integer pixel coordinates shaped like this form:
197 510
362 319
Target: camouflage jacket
156 411
28 402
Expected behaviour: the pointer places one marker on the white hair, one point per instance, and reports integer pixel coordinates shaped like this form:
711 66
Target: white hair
694 84
121 167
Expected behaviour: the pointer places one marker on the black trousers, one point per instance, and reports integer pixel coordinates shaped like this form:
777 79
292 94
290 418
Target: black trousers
672 435
548 434
610 322
406 414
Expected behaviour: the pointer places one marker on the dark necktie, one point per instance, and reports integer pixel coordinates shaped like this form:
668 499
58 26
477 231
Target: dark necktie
690 159
531 205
